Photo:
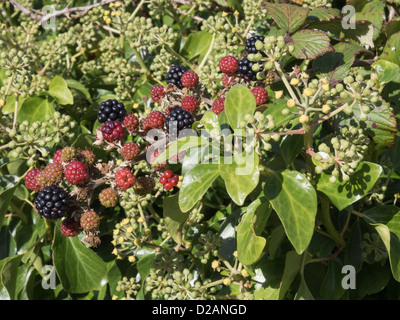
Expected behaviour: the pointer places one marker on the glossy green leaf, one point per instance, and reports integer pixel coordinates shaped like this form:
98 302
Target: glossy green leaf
295 201
310 44
292 268
239 101
8 185
291 147
195 184
79 87
392 244
241 179
210 122
287 16
174 217
250 244
9 275
331 287
196 45
303 292
79 268
343 194
58 88
35 109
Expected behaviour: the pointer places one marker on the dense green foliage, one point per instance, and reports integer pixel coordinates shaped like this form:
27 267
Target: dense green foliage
313 178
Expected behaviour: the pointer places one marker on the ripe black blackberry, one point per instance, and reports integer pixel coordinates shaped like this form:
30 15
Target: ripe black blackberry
52 202
111 110
245 69
251 44
174 75
178 120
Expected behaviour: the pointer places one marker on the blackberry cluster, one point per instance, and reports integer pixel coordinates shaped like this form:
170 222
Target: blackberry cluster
180 118
111 110
245 69
174 75
52 202
251 44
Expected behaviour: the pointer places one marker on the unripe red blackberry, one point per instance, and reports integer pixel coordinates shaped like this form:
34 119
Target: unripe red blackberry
260 94
228 81
130 150
70 227
67 154
131 122
155 120
157 93
30 179
190 79
144 185
108 197
76 172
87 157
124 179
89 220
57 156
190 104
53 173
228 65
218 105
112 130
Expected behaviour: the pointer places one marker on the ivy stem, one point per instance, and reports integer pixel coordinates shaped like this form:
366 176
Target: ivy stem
326 220
15 112
142 216
285 81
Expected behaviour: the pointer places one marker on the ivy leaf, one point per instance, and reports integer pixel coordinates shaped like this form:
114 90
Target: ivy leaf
392 245
195 184
295 201
196 45
331 288
210 121
303 293
250 245
79 268
35 109
240 179
292 268
343 194
310 44
9 275
58 88
174 217
288 17
239 101
79 87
